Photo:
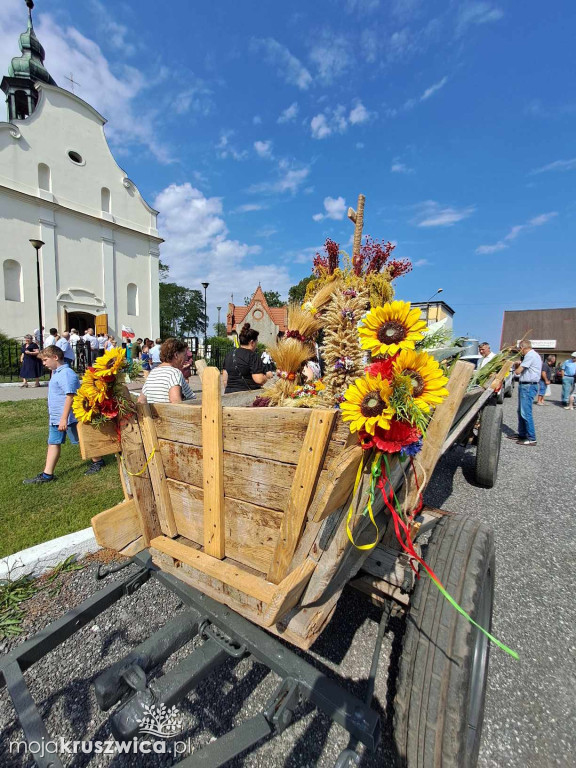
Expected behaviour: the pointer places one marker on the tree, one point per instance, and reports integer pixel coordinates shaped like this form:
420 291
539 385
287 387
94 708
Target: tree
272 297
297 292
181 309
220 330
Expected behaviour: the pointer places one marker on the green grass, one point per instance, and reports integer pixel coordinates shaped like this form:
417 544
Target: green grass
32 514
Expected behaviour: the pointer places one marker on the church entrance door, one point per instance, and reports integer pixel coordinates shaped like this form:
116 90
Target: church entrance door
79 320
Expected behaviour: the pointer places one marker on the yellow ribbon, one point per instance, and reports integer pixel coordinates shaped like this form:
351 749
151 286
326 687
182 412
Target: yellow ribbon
368 508
137 474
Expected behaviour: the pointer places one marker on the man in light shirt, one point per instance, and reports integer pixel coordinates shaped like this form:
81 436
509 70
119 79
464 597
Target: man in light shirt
51 339
74 338
486 352
155 354
92 345
64 344
529 371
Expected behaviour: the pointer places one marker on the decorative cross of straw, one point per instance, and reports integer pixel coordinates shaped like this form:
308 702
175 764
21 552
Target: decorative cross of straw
357 216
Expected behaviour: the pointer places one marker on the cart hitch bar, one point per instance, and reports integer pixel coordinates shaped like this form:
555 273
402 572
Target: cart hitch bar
220 635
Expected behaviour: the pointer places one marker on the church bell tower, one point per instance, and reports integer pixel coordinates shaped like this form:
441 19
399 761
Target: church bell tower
24 71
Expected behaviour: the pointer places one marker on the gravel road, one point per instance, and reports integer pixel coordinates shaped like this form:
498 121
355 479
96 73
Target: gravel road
530 714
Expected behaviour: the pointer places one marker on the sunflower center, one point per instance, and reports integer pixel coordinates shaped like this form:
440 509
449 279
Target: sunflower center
417 381
372 405
391 332
110 363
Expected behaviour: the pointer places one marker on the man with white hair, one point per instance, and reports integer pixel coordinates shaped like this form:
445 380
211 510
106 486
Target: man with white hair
568 369
529 371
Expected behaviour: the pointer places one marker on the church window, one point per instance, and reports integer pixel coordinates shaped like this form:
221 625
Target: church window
12 280
105 194
44 177
22 105
76 157
132 298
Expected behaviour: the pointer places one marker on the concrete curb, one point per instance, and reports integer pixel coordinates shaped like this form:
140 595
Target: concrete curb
43 557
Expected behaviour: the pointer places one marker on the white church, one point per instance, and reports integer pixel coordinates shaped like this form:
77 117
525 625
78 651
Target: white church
60 184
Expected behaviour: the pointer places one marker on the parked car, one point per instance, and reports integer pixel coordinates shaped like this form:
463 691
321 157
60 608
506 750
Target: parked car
507 385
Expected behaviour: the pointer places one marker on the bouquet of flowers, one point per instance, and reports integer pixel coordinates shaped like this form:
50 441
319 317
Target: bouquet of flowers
102 395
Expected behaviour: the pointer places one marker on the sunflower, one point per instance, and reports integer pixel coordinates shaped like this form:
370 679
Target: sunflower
109 363
427 378
367 404
93 389
82 408
388 329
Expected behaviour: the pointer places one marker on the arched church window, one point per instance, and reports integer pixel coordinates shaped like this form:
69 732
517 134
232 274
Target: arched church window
132 298
12 280
21 105
105 195
44 177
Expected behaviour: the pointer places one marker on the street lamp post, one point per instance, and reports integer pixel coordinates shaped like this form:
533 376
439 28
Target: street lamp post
218 308
205 286
428 303
37 244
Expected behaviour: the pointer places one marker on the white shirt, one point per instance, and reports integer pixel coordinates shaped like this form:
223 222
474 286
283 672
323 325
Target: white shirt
532 368
486 359
155 354
101 342
92 340
49 341
74 338
161 380
66 347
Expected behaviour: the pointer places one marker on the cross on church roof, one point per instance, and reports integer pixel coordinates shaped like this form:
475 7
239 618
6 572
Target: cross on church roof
74 82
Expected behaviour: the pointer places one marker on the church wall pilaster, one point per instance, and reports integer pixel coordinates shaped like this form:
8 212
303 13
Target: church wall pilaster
154 292
109 282
49 271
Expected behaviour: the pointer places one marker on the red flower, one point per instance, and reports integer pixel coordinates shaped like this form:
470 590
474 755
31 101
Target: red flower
390 440
109 408
382 367
327 263
399 267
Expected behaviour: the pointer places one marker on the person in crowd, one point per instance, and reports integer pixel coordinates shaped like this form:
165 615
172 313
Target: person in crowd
166 382
188 363
155 359
529 371
62 423
74 338
568 372
110 343
51 338
486 352
102 339
312 370
243 368
64 344
136 349
544 383
91 346
267 361
145 357
38 334
31 366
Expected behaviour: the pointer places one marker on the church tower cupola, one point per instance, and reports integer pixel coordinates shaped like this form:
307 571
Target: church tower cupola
24 71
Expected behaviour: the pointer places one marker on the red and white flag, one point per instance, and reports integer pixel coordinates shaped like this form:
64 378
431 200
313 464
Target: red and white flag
127 332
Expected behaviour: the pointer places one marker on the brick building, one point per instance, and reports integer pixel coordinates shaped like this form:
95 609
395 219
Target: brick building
551 331
268 321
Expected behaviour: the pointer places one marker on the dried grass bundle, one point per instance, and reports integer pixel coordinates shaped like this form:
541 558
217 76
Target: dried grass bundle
324 294
289 355
303 321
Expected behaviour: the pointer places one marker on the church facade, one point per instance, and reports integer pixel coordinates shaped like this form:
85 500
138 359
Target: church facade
270 322
60 184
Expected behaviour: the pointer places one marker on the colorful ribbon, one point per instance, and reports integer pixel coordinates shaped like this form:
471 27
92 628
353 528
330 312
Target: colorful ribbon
137 474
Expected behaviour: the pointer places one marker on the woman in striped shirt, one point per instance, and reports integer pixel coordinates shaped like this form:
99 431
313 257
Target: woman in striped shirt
166 383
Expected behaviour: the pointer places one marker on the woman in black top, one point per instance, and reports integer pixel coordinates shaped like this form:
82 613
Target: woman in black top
243 368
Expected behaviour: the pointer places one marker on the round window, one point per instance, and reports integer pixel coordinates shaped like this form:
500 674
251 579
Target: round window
257 314
76 158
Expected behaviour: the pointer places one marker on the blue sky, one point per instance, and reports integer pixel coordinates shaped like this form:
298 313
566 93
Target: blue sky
252 126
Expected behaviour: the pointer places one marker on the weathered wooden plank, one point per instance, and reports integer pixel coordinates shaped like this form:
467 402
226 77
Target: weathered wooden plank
156 469
134 458
257 480
124 478
213 464
251 531
233 575
379 591
200 366
96 442
288 592
387 564
337 484
134 547
309 465
118 526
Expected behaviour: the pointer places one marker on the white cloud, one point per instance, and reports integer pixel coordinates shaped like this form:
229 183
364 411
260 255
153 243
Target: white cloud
319 126
359 114
197 99
112 91
359 145
335 208
536 221
290 179
398 167
331 56
266 231
433 89
225 149
362 6
473 13
198 248
290 68
116 33
249 208
558 165
422 263
432 214
289 114
263 148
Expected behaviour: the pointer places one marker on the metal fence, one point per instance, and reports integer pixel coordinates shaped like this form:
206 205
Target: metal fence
10 351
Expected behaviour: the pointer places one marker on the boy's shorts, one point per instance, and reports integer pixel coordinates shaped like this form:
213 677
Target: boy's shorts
56 437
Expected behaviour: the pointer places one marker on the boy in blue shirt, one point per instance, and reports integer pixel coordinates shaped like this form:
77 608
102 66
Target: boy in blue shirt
61 390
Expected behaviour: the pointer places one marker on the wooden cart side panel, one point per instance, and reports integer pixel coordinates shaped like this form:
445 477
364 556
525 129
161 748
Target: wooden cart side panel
117 527
156 470
251 531
246 478
289 592
134 458
96 442
213 465
337 484
305 480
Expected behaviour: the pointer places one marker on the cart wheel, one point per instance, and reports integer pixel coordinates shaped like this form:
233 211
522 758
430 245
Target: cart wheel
439 705
510 390
501 395
488 450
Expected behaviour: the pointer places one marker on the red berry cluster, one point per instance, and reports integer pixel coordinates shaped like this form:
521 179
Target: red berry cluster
329 263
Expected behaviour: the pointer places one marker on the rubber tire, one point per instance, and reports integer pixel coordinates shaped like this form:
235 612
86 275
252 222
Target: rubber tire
500 396
488 448
441 687
510 390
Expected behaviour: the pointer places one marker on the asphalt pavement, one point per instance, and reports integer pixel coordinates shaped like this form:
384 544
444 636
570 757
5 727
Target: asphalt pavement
530 713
